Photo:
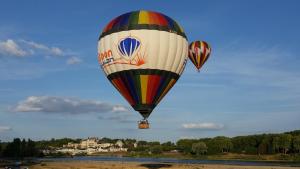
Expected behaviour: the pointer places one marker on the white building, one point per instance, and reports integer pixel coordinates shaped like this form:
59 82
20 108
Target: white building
119 143
105 145
90 142
117 149
135 144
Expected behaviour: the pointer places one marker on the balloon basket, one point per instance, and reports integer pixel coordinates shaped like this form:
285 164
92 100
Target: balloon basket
143 124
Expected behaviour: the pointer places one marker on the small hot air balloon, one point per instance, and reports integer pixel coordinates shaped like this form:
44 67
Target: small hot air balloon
143 54
199 52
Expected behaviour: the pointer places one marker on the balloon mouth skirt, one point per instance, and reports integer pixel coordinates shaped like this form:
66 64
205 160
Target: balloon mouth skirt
143 124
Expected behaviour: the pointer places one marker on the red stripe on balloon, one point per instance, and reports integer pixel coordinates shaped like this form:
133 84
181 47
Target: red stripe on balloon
121 86
161 19
152 18
204 54
155 83
111 24
149 89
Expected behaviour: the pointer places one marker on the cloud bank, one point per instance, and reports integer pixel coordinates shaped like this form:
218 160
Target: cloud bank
203 126
65 105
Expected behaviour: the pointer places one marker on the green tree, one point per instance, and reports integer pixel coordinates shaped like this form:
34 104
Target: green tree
282 143
265 146
276 144
245 144
23 148
222 144
156 149
153 143
285 142
185 145
168 146
199 148
31 150
296 143
142 143
140 149
129 143
294 133
16 147
13 149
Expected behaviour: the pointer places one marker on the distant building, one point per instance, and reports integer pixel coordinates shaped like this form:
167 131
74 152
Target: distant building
135 144
72 145
104 145
119 143
89 146
90 142
117 149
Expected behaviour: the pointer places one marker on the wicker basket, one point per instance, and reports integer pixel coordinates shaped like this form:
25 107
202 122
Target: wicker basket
143 124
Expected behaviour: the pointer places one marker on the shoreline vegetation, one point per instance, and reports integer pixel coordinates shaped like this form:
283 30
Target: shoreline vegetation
282 147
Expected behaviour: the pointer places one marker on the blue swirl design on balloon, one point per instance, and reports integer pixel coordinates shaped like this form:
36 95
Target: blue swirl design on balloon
128 46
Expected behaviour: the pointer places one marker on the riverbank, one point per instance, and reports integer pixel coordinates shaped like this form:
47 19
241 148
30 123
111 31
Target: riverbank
163 160
225 156
139 165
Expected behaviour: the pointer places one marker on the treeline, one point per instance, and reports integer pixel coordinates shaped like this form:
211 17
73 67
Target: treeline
19 149
153 147
285 143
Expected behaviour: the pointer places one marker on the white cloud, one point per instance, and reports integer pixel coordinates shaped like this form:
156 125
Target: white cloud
10 47
67 105
203 126
24 48
35 45
5 128
56 51
119 108
73 60
39 47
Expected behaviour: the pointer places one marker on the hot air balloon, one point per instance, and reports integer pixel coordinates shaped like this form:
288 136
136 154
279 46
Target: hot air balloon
199 52
143 54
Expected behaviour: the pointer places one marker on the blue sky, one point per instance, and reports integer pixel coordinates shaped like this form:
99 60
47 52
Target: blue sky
52 86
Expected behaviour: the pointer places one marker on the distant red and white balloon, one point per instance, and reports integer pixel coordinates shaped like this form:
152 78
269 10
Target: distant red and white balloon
199 52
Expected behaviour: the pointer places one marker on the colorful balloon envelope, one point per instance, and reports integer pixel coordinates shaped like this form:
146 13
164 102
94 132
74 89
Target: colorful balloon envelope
143 54
199 52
